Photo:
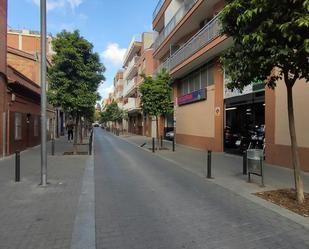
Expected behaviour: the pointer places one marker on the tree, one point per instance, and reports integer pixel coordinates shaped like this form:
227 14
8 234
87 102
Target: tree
271 42
96 115
156 96
112 113
75 76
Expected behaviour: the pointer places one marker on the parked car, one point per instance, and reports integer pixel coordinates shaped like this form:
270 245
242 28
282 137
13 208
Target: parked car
96 125
169 135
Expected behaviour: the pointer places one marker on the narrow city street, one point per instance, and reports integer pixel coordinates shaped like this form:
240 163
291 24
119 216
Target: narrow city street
143 201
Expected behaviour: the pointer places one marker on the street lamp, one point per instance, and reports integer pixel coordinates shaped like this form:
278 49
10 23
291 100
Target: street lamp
43 95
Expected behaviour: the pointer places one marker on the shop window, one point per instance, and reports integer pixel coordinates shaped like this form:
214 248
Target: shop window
18 126
191 84
197 80
210 75
207 75
36 126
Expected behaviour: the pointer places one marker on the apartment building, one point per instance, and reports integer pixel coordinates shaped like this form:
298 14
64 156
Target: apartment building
118 94
118 88
138 60
188 43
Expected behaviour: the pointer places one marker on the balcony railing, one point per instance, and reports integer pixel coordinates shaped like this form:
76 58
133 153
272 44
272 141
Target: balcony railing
132 104
197 42
182 11
157 9
129 86
131 65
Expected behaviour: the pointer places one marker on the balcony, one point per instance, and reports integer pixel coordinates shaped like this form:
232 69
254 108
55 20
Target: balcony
132 65
132 105
182 11
157 9
196 43
130 87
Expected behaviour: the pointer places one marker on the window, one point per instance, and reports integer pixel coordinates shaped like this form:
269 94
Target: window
36 126
204 77
210 75
207 75
18 127
197 80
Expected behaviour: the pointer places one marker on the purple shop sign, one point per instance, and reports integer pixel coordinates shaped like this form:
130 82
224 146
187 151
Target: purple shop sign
192 97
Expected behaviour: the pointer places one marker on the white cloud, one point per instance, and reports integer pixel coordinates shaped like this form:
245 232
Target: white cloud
114 54
56 4
104 90
74 3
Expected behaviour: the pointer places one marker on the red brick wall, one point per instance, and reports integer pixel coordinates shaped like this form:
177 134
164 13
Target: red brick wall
29 110
3 30
3 44
25 65
26 42
13 40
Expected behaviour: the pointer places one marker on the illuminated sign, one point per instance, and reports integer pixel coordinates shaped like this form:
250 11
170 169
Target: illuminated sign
192 97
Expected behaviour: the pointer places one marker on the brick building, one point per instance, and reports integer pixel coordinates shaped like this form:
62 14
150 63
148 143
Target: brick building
24 55
3 69
138 59
19 90
28 41
23 112
188 43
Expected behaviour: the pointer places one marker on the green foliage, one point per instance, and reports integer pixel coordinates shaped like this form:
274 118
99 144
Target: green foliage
97 115
75 74
112 113
156 94
267 35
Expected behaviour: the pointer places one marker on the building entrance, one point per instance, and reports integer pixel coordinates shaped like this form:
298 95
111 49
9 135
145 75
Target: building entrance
244 122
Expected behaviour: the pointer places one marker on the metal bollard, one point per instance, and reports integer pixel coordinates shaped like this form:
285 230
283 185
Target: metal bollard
153 145
90 146
53 147
173 143
161 142
17 166
244 163
209 164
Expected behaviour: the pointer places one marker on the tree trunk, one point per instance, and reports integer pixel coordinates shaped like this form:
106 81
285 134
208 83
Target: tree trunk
80 131
158 135
299 187
75 136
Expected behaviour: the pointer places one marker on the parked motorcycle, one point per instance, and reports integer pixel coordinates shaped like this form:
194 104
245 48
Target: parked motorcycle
257 140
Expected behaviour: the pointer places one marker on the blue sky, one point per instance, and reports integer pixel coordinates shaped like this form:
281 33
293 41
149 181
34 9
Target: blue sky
108 24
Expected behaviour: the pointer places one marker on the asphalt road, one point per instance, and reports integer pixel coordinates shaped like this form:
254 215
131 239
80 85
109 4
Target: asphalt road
146 202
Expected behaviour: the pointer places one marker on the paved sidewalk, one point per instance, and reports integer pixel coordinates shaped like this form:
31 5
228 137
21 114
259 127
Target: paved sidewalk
227 172
223 165
33 217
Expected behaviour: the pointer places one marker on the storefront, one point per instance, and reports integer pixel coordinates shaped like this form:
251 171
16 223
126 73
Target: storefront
244 122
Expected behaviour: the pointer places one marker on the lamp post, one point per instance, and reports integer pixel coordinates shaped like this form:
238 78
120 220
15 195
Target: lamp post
43 95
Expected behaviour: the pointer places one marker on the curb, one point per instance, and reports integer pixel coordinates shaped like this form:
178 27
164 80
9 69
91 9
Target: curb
83 235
